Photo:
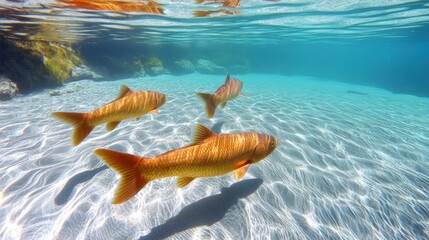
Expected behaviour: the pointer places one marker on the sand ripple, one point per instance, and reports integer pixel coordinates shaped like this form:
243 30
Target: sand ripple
348 166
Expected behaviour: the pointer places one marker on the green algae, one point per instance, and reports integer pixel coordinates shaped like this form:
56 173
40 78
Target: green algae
59 60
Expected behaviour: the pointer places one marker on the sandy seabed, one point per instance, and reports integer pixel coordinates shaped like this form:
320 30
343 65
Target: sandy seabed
352 163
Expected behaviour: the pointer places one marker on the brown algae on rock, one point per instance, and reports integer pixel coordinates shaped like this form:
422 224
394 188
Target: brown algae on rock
58 59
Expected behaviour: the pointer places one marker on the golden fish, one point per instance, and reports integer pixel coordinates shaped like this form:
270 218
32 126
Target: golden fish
116 5
220 12
230 90
209 155
225 3
129 104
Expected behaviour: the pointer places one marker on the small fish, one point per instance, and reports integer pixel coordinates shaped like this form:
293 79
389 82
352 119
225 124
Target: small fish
225 3
230 90
129 104
209 155
210 13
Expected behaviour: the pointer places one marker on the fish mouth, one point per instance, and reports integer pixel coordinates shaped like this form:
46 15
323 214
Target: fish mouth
164 99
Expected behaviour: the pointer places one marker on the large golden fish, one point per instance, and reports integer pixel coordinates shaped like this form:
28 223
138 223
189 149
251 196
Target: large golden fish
230 90
129 104
115 5
209 155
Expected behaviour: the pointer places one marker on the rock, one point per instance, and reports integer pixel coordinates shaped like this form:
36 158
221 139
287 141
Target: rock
153 66
69 89
209 67
55 93
36 64
84 72
140 74
183 66
156 70
8 89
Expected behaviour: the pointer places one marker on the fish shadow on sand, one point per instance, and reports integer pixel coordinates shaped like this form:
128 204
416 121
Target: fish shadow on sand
64 196
355 92
206 211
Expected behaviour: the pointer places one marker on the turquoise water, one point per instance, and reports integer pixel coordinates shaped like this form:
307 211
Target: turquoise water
343 85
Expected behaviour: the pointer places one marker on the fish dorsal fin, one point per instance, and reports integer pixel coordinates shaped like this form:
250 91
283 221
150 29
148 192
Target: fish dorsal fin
124 90
227 77
202 133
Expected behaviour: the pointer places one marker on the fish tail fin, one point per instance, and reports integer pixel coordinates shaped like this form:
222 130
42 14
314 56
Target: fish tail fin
78 121
127 166
210 104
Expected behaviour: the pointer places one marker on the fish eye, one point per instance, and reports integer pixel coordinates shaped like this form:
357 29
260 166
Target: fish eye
272 144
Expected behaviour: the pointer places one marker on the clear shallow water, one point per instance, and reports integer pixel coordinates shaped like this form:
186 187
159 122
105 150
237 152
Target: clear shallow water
348 165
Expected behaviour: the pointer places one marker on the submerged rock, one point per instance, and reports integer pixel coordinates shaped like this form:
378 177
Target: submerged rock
153 66
183 66
140 74
37 64
156 70
209 67
8 89
84 72
58 60
69 89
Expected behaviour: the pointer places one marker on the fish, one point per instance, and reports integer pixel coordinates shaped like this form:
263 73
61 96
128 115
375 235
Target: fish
209 155
209 13
115 5
227 92
225 3
129 104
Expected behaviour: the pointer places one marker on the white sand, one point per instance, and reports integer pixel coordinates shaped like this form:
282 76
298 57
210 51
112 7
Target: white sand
348 166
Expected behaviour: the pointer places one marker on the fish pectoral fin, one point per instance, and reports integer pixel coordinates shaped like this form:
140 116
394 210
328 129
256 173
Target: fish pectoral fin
154 111
241 171
183 181
137 118
244 95
201 134
222 105
112 125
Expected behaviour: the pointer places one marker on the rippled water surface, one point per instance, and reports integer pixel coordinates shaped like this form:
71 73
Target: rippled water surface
253 21
352 163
